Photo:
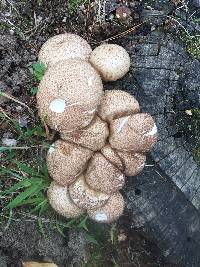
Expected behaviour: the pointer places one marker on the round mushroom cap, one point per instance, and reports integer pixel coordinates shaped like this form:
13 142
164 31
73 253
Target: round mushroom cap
117 103
62 47
93 136
69 94
112 156
66 161
110 212
133 162
84 196
61 202
103 176
111 61
136 133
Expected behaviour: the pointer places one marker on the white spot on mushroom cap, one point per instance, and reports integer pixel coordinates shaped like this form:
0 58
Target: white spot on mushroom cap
101 216
122 124
152 132
57 105
51 149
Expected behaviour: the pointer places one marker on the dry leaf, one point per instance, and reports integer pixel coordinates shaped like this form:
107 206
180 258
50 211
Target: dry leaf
37 264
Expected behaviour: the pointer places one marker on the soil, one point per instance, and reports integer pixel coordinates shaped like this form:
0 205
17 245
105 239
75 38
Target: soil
25 26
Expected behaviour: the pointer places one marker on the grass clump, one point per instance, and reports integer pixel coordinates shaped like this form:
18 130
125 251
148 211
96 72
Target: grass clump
73 5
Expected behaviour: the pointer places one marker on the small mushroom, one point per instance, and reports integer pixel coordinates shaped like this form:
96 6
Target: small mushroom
61 202
111 61
136 133
84 196
67 161
112 156
62 47
103 176
93 136
117 103
110 212
69 94
133 162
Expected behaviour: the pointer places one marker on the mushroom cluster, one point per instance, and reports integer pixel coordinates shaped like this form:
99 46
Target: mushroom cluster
103 135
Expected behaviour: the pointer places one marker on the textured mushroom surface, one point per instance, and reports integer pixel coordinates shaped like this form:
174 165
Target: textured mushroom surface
117 103
110 212
65 161
112 156
69 95
61 202
84 196
133 162
135 133
103 176
63 47
93 136
111 61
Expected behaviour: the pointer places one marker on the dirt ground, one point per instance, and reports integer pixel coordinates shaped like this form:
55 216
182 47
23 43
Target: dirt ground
24 27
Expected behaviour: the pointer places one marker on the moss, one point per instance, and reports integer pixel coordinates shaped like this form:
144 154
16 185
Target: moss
192 44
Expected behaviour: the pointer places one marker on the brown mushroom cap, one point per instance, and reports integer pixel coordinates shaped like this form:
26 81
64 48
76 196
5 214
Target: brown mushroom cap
69 94
62 47
117 103
67 161
135 133
110 212
133 162
85 197
61 202
111 155
103 176
111 61
93 136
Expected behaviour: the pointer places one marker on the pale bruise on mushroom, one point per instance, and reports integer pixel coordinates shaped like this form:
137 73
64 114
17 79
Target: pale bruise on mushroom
111 61
133 162
110 212
66 161
112 156
103 176
69 95
61 202
84 196
136 133
62 47
117 103
93 136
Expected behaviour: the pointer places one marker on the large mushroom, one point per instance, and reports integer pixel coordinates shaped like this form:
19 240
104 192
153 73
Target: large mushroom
136 133
84 196
60 201
69 95
62 47
117 103
66 161
103 176
110 212
111 61
93 136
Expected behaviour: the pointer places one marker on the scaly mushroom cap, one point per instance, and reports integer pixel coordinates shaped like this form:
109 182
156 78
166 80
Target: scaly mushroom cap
117 103
85 197
133 162
69 94
111 61
63 47
101 175
110 212
66 161
93 136
61 202
112 156
135 133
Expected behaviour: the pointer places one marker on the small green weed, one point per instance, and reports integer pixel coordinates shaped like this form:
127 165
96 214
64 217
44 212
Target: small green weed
192 44
37 70
75 4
